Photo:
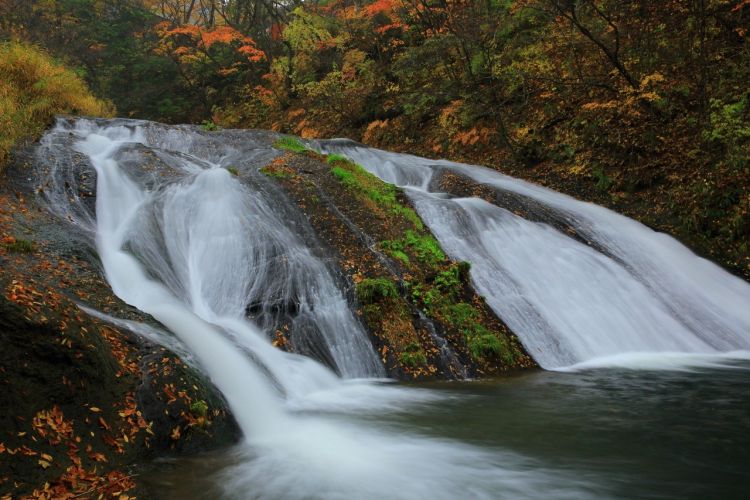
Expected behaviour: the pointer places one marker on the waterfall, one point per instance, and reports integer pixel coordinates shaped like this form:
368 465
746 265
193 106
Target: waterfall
182 239
618 294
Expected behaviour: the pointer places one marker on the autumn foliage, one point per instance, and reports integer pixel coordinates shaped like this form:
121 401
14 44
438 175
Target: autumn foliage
613 101
33 88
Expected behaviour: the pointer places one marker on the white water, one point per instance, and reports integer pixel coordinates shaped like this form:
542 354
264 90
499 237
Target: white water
189 252
635 298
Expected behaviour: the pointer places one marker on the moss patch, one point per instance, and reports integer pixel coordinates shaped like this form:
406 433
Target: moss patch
370 188
292 144
373 290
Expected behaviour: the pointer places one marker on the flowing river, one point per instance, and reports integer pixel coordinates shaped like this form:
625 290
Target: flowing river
649 343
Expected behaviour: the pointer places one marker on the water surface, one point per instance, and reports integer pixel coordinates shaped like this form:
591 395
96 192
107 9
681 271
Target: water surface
616 433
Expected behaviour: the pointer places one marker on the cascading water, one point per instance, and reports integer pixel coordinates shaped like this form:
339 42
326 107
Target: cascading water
183 240
633 297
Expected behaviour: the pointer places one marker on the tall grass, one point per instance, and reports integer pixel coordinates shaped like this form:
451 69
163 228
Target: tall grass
33 89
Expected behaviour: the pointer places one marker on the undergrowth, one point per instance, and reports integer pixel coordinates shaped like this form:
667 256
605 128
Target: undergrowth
33 89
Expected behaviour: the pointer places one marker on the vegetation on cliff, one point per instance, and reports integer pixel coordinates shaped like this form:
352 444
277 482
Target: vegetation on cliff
33 89
641 106
408 293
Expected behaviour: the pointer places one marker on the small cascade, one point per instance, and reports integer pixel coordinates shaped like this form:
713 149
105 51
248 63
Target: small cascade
616 292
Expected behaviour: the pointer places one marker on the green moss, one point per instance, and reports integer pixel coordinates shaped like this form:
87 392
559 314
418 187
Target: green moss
485 343
334 158
409 214
413 356
460 314
480 340
288 143
234 171
20 245
358 179
400 256
199 408
422 246
376 290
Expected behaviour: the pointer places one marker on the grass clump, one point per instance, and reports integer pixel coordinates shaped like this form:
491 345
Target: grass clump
234 171
423 246
18 245
413 356
373 290
288 143
33 89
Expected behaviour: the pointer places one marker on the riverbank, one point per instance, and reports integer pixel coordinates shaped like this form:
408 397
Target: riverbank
84 400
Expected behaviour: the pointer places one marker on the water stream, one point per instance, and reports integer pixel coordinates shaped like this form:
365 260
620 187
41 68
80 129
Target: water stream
201 250
632 297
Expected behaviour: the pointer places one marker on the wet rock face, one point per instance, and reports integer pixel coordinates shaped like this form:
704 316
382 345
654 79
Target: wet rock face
422 312
84 400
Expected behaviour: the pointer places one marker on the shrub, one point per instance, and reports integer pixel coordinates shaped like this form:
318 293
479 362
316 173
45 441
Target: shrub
33 89
209 126
603 181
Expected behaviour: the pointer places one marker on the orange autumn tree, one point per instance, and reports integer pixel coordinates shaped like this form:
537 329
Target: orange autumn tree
211 60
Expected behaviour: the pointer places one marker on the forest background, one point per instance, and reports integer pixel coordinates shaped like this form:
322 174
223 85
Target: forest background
638 105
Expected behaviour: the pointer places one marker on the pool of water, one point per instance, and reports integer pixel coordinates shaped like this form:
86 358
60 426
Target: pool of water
619 433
